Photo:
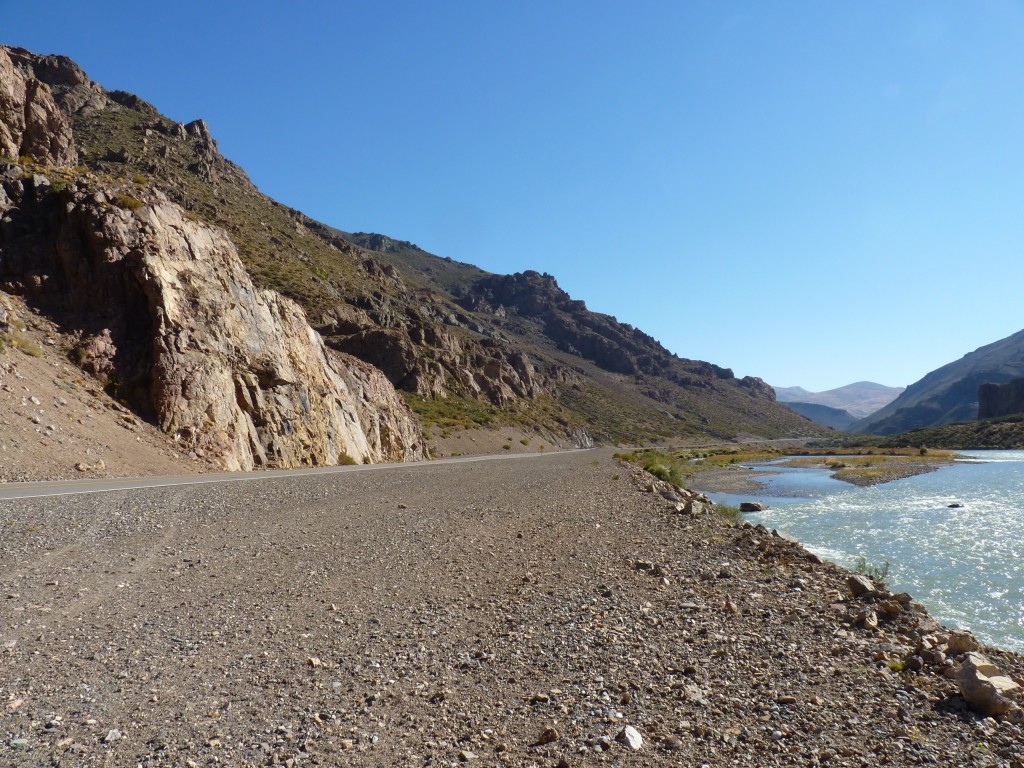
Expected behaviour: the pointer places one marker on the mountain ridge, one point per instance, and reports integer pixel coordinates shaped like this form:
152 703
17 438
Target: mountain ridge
950 393
464 347
860 399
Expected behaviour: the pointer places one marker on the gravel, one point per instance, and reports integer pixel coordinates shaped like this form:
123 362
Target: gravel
549 611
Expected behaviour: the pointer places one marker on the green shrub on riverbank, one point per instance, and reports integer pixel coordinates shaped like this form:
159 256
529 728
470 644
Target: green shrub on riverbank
876 572
729 513
662 465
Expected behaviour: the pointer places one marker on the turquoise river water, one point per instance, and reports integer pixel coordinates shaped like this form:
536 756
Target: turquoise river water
966 564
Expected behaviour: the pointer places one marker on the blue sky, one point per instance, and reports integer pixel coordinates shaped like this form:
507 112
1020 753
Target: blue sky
813 193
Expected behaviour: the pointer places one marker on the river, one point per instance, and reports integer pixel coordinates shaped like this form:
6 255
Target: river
966 563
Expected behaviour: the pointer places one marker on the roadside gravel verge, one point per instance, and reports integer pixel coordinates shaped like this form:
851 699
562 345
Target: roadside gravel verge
518 613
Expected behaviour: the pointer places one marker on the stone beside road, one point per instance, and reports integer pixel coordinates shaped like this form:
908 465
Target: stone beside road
550 611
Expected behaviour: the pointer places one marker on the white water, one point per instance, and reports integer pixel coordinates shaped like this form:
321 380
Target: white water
965 564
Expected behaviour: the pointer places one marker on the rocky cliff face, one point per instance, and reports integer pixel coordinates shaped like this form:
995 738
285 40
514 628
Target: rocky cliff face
996 400
31 124
170 319
163 308
429 349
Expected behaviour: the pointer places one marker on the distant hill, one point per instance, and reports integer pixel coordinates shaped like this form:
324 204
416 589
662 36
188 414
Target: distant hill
950 393
860 399
825 415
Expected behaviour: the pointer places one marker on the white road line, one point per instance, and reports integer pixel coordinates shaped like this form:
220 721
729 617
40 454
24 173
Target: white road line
35 490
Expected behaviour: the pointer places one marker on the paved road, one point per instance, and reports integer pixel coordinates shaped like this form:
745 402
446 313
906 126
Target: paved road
103 485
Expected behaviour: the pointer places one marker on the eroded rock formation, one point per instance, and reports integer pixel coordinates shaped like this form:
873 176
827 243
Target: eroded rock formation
172 320
31 123
995 400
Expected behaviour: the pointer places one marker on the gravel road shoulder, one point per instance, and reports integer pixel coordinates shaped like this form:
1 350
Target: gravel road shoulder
516 613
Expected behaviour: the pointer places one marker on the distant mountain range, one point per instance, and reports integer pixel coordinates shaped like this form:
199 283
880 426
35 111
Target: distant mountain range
836 418
860 399
950 393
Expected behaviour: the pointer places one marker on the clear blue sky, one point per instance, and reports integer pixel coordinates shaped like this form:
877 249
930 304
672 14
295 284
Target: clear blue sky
813 193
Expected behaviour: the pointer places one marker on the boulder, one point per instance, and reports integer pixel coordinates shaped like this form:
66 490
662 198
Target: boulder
752 506
962 641
891 608
631 738
694 507
984 687
860 585
96 355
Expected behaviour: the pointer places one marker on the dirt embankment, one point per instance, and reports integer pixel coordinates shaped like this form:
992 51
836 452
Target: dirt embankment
539 611
56 422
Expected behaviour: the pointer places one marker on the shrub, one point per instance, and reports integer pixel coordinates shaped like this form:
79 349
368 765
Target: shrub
21 343
729 512
876 572
29 347
668 474
525 441
345 459
128 202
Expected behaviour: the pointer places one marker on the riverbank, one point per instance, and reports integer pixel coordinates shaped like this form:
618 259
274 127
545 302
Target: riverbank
559 610
862 471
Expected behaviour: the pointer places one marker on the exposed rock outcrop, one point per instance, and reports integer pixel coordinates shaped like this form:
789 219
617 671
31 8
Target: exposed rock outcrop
31 123
995 400
421 356
611 345
173 321
70 86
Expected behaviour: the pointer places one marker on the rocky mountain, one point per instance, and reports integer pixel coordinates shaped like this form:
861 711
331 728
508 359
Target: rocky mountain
836 418
159 307
621 381
950 393
185 290
860 399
